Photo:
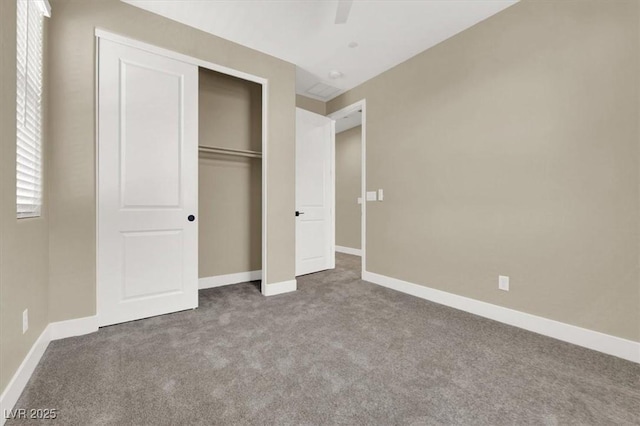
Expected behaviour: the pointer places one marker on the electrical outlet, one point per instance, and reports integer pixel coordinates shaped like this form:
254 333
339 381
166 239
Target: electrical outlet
503 282
25 321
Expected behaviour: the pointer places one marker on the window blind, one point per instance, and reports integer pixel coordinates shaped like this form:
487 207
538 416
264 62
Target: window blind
30 15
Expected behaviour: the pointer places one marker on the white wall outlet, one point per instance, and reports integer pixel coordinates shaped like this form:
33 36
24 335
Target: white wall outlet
503 282
372 196
25 321
380 195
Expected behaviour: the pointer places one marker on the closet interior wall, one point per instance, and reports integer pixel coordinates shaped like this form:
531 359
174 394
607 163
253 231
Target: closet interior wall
230 186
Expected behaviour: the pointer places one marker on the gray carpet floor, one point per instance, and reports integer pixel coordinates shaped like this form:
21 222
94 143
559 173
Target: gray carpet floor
337 351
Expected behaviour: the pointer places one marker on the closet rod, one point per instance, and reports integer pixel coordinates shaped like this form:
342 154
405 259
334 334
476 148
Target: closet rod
229 151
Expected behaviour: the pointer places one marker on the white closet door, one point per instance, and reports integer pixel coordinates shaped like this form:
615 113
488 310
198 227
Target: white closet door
147 184
315 230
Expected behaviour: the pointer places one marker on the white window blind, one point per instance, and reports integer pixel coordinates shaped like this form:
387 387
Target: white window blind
30 15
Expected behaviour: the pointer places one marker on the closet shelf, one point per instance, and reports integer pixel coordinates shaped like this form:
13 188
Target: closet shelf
229 151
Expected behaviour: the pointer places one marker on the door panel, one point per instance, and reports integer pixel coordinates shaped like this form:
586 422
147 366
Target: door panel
147 184
161 98
164 275
314 193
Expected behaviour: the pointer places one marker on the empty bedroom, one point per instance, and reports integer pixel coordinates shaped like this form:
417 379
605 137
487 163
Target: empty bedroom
318 212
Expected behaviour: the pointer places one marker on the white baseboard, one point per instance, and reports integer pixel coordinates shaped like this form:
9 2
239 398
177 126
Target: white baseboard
281 287
220 280
53 331
74 327
20 379
612 345
349 250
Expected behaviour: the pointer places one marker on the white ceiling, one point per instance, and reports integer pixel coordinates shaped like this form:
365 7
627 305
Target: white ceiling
303 32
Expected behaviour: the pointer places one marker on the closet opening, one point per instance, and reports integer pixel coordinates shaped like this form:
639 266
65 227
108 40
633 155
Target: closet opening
229 180
181 147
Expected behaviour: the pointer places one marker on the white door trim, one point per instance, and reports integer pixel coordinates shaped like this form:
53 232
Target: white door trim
360 105
108 35
332 237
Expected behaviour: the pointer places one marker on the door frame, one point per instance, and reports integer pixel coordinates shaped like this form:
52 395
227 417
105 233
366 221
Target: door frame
360 105
127 41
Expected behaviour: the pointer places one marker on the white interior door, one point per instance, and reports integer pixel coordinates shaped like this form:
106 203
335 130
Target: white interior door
147 184
315 229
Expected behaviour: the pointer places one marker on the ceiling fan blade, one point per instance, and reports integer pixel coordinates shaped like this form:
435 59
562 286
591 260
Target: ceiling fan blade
342 13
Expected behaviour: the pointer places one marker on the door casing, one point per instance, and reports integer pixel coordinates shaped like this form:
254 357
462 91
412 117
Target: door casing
360 105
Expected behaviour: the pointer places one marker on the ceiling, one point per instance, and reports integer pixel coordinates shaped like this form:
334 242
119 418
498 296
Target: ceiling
304 32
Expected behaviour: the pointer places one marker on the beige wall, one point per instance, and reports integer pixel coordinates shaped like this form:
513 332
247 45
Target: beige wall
72 101
348 187
24 242
512 148
230 187
312 105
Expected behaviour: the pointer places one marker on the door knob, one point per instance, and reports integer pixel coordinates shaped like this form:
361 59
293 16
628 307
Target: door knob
298 213
191 218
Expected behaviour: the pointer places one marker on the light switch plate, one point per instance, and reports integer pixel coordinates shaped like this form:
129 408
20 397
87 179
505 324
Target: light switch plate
380 195
359 200
372 196
503 282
